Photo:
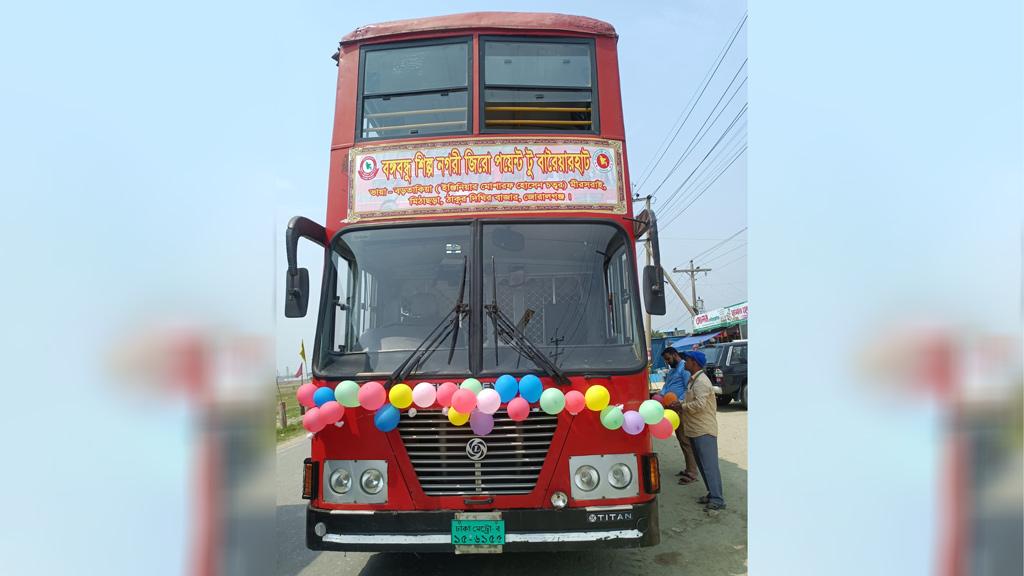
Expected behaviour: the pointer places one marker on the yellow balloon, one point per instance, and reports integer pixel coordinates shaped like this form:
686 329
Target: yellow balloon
400 396
672 417
456 417
597 397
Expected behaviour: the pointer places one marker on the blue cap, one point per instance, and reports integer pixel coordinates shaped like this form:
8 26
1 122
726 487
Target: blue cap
696 355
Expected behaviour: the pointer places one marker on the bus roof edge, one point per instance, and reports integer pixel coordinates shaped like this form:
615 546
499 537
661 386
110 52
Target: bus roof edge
538 21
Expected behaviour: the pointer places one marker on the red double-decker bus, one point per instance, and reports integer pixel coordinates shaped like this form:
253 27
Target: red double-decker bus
480 225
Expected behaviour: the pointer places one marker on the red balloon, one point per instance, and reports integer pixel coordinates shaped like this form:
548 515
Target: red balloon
464 400
372 395
519 409
312 420
305 394
575 402
331 412
662 429
445 393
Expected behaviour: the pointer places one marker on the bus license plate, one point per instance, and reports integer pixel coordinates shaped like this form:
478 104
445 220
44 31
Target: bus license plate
478 532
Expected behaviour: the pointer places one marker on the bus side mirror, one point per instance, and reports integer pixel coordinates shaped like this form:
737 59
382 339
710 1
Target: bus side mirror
297 279
654 279
654 290
297 291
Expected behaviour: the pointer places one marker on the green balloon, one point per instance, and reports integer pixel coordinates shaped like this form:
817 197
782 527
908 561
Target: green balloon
552 401
652 411
472 384
611 417
347 394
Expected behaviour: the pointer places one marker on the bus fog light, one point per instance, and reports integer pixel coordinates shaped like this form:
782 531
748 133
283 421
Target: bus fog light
620 475
586 478
341 481
559 499
320 529
372 481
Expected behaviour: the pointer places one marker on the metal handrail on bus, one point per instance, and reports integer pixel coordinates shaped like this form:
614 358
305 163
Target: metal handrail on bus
534 109
408 126
412 112
542 122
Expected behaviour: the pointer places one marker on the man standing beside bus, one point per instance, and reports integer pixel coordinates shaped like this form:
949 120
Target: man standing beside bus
676 382
701 423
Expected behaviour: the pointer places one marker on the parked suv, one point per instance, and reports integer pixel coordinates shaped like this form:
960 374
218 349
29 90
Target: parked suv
727 369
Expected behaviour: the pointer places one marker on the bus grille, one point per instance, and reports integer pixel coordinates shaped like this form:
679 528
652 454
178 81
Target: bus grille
515 453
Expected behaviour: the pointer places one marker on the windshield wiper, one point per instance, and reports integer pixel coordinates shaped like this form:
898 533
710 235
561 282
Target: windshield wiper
448 325
515 338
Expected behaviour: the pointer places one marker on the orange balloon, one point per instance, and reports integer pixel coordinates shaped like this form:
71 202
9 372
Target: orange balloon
669 398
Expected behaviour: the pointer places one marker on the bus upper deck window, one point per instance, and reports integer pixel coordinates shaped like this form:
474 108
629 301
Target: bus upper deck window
538 85
411 90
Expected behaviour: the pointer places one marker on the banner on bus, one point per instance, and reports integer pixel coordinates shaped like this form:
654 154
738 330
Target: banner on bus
485 175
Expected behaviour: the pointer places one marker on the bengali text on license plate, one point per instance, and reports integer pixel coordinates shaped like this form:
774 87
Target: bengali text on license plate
469 532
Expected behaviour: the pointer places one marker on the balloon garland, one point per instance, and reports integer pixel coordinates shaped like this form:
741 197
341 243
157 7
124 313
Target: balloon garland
473 403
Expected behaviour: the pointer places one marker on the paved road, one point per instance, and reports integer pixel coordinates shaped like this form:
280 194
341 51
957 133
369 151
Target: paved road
691 542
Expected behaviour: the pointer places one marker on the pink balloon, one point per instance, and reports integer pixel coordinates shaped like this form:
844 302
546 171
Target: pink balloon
633 422
519 409
464 400
488 401
481 423
575 402
372 395
312 420
445 393
305 394
331 412
424 394
662 429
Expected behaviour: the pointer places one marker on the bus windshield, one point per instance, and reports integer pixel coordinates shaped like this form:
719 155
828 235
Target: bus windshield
388 289
568 287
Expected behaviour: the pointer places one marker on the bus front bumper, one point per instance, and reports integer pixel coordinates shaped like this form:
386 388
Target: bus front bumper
631 526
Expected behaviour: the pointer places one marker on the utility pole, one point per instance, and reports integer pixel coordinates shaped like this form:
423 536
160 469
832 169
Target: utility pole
647 251
691 308
692 271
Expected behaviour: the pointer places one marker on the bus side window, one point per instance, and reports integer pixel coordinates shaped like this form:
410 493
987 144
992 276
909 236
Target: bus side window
620 309
366 311
342 303
341 300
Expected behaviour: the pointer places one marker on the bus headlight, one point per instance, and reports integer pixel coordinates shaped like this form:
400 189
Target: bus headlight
372 481
600 476
619 475
586 478
341 481
354 481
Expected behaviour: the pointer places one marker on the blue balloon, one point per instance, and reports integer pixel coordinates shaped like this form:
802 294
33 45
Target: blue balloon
507 387
530 388
386 419
323 394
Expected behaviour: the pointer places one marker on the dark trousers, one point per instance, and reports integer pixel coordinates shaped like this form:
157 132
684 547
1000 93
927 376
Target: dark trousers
684 444
705 450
